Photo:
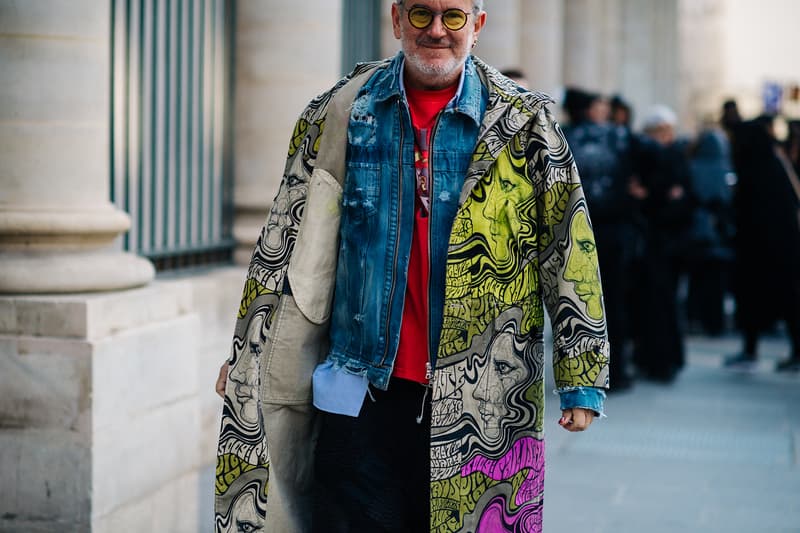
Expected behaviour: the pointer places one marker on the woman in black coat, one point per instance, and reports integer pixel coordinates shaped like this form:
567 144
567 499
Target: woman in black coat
767 241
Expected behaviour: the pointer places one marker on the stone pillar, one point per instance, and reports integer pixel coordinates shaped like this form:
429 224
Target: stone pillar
389 45
284 57
542 44
499 42
57 224
581 39
701 26
650 54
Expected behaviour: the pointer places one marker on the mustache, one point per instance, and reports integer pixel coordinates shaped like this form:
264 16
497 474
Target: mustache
426 40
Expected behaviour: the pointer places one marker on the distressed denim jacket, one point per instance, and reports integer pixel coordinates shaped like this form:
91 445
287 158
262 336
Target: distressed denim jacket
378 217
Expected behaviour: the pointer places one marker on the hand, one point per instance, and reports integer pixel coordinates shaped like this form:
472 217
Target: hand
222 379
636 189
675 192
576 419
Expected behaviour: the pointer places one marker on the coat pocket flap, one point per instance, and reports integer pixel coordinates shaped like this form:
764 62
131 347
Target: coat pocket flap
312 270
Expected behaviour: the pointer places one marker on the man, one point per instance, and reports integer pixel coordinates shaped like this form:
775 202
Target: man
430 203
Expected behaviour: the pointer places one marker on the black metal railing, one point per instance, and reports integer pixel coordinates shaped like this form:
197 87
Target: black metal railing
170 136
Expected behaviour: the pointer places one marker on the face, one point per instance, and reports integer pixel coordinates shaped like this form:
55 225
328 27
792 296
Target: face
663 134
504 370
581 266
245 376
244 517
620 116
506 191
435 55
599 111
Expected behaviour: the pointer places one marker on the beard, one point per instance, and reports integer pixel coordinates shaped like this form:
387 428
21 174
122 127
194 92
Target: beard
435 70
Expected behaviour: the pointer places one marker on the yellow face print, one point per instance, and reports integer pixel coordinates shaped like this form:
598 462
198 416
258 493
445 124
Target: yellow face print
581 266
506 191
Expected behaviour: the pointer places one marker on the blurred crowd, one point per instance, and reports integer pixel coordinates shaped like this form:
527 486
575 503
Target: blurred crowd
684 224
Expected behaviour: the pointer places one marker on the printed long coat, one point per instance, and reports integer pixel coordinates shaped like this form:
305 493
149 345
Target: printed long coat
521 242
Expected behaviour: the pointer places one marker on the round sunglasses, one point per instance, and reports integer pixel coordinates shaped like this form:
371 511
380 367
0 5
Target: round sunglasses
453 19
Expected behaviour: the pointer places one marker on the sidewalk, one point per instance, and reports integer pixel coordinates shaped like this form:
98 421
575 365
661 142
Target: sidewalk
716 451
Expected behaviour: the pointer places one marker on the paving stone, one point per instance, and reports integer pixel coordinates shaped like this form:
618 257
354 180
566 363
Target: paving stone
715 451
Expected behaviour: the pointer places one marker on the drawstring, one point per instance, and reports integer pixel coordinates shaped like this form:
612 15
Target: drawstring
369 391
422 408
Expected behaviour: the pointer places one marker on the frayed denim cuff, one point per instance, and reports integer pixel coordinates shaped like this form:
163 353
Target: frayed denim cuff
591 398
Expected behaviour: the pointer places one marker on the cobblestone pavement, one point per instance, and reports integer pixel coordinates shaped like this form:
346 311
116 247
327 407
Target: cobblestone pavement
715 451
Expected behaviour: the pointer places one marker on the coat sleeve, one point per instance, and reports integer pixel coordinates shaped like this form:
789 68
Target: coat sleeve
568 266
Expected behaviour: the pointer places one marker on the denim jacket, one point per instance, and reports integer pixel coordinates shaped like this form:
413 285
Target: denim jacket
378 215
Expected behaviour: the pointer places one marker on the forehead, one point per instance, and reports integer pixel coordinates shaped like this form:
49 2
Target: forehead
441 5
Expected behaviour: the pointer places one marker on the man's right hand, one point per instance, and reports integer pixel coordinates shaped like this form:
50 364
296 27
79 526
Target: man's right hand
222 379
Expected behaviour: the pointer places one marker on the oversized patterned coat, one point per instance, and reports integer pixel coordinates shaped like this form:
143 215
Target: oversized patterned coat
521 242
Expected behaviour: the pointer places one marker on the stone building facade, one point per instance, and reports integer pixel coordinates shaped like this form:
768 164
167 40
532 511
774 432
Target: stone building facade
108 417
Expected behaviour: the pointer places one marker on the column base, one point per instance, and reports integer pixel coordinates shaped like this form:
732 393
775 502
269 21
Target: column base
246 229
71 272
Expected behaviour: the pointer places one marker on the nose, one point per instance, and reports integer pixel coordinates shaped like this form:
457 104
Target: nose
437 29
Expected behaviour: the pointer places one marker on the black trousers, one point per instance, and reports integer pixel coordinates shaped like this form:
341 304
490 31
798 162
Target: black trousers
372 473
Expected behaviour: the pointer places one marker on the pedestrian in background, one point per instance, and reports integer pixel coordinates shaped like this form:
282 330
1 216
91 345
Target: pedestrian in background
417 301
710 247
767 244
662 171
621 112
792 144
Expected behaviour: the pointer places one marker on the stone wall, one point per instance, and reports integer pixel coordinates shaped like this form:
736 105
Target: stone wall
108 413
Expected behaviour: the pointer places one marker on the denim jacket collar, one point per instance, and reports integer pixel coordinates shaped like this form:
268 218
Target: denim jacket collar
388 83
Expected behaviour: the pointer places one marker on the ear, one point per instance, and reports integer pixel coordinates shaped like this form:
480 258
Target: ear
480 20
395 20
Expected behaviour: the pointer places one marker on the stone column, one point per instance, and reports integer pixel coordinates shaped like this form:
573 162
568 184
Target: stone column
650 54
389 45
542 44
581 37
284 57
57 224
499 42
701 26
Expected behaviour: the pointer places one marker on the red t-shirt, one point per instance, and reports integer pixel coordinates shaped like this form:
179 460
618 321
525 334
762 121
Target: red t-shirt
412 352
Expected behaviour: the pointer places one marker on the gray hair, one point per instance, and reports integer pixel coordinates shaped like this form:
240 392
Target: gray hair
659 115
477 5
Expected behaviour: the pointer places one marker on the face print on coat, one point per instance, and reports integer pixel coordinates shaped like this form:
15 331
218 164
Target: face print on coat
244 517
505 369
507 189
244 375
581 268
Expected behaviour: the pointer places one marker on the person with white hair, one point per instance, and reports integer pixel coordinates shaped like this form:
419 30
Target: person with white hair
663 171
659 124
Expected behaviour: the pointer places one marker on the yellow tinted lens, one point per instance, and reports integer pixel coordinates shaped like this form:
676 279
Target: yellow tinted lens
454 19
420 17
